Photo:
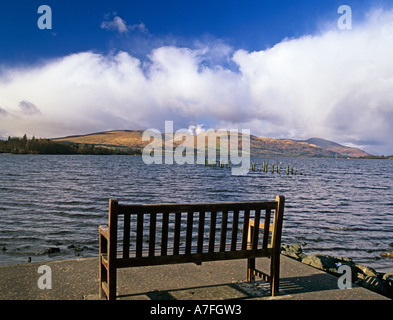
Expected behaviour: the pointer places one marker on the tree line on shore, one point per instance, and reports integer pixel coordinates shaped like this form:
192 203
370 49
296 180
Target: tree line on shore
24 145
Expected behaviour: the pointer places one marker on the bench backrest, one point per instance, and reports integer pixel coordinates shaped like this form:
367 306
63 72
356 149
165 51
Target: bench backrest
175 229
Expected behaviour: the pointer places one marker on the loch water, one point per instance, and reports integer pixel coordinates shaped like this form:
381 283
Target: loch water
341 207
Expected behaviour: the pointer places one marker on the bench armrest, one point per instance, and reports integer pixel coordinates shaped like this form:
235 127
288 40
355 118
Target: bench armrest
103 230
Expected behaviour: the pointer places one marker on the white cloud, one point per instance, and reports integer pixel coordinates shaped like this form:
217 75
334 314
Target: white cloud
196 129
117 24
120 25
336 85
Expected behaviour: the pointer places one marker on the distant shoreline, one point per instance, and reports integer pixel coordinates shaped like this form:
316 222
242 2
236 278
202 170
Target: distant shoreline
48 147
140 154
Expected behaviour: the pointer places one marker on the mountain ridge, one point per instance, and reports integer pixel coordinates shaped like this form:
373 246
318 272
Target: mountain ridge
313 147
336 147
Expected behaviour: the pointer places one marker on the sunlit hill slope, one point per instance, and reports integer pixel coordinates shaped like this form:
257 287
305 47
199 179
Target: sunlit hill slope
314 147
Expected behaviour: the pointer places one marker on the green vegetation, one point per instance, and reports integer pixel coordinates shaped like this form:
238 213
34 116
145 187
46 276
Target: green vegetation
46 146
377 157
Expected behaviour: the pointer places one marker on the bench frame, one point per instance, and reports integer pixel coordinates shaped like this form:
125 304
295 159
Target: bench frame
218 246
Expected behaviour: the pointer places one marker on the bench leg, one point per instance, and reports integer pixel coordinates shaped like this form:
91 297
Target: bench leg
109 277
102 278
275 274
250 269
112 284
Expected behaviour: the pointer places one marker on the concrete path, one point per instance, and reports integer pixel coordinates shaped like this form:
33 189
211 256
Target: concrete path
78 280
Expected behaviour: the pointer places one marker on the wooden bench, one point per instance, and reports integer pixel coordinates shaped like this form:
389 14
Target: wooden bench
159 234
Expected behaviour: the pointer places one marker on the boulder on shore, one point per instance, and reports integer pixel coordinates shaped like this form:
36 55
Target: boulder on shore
327 263
362 275
52 250
294 251
366 271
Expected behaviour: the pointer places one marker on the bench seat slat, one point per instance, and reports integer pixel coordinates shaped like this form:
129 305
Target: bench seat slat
193 257
194 249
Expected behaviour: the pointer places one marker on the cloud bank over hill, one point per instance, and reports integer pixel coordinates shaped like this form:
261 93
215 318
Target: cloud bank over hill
337 84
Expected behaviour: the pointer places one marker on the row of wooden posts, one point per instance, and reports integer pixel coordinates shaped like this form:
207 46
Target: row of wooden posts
273 168
264 168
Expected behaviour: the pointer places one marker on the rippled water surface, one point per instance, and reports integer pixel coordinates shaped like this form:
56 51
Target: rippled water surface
340 207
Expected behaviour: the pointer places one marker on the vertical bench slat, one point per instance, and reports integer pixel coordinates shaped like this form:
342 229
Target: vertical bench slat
235 224
201 226
190 216
164 234
212 234
139 235
176 238
126 236
152 234
223 236
256 229
266 228
245 228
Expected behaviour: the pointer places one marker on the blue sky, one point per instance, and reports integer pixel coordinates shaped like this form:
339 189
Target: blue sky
280 68
250 25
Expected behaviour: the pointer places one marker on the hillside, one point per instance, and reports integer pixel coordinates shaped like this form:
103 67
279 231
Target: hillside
314 147
337 148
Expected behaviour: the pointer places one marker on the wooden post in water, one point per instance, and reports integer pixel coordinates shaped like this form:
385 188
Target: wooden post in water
273 168
287 169
278 169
